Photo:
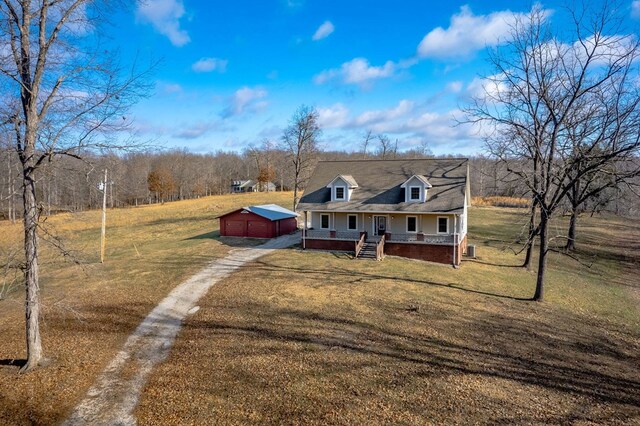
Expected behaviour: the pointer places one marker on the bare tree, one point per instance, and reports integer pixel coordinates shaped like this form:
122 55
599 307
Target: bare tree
63 95
424 148
300 141
586 183
366 140
543 90
385 147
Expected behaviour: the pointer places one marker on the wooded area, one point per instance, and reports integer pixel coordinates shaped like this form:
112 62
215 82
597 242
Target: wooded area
71 184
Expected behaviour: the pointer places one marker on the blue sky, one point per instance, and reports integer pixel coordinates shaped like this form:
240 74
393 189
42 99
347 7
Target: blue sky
233 73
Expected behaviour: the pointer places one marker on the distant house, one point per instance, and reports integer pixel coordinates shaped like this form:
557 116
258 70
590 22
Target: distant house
410 208
252 186
265 221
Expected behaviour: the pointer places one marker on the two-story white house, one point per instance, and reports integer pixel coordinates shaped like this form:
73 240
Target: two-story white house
411 208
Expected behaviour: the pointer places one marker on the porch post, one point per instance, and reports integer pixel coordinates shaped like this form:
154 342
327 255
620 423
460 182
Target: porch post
455 224
304 232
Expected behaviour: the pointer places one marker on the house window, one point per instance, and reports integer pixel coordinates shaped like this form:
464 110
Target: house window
339 192
443 225
352 222
414 193
324 221
412 224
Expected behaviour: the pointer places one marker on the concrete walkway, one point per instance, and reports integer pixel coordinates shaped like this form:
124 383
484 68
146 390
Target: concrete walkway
114 396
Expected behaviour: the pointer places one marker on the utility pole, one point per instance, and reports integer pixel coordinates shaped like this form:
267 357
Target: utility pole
104 216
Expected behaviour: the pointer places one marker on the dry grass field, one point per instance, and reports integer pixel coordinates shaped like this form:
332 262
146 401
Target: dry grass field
314 337
91 308
319 338
494 201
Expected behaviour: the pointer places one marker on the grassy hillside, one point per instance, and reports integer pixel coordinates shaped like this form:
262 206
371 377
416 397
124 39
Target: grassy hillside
90 308
326 338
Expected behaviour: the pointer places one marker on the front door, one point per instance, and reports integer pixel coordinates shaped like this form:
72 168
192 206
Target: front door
380 225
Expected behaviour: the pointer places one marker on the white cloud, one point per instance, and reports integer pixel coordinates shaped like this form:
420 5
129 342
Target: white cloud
375 117
194 131
635 9
245 100
165 16
168 88
323 31
357 71
454 86
467 33
487 88
408 122
333 117
210 64
604 49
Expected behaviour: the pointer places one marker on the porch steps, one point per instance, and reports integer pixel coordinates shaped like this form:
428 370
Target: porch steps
368 250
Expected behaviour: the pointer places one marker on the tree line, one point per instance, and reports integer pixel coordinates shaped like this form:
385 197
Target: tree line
72 185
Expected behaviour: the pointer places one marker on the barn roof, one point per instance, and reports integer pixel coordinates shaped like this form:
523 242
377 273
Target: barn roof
268 211
380 185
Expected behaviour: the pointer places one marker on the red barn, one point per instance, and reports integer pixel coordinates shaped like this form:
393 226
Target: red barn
266 221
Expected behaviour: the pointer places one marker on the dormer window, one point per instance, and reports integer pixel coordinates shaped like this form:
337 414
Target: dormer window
342 187
415 193
415 189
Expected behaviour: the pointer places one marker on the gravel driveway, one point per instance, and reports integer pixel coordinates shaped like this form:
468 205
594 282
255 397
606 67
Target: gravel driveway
114 396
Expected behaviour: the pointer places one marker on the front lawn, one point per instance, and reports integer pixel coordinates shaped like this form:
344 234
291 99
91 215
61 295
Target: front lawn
315 337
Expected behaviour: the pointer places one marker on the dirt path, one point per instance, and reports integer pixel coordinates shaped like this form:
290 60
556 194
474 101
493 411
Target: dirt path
114 396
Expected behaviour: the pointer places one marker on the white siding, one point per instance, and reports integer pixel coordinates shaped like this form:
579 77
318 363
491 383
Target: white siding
396 223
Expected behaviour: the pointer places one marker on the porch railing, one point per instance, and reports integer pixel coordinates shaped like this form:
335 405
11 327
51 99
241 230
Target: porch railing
422 238
322 234
360 243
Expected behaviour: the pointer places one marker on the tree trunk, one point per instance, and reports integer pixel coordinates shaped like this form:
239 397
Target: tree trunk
528 255
32 302
574 197
296 181
542 261
531 237
571 235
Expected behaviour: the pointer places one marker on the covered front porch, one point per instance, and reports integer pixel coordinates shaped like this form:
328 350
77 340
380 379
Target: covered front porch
437 237
394 237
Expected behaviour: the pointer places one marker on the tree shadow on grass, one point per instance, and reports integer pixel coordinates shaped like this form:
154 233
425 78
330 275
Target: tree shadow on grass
176 220
229 241
571 358
213 235
477 260
7 362
360 276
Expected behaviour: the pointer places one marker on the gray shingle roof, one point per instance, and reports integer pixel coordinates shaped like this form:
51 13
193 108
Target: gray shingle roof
379 184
